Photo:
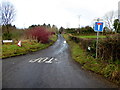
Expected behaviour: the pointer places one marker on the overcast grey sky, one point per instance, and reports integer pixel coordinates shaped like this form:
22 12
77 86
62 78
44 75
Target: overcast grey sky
61 12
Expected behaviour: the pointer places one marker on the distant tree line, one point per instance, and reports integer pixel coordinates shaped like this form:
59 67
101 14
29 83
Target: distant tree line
90 30
51 28
83 30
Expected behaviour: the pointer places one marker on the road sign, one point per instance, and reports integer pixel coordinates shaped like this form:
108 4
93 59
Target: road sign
98 26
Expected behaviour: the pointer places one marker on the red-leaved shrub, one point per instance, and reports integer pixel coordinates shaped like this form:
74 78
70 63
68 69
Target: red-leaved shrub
52 33
39 33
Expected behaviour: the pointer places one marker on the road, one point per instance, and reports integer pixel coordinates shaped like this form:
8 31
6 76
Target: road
49 68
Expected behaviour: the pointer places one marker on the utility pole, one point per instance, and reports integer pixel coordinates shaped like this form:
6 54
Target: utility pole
24 25
68 25
79 23
79 20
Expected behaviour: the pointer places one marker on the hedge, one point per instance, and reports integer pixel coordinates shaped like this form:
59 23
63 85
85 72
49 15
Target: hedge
109 48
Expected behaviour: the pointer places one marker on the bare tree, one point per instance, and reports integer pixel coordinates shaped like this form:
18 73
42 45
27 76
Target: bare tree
8 13
109 19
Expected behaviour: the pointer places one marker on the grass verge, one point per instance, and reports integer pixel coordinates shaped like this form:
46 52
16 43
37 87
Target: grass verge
93 36
108 70
9 50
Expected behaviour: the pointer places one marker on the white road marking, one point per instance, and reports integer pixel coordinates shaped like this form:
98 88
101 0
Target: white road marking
40 60
50 61
32 61
45 59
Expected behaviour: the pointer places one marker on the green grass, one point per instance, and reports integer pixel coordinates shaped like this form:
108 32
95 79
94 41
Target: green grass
93 36
110 71
9 50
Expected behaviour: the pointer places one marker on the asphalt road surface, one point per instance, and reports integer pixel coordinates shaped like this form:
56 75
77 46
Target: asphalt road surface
49 68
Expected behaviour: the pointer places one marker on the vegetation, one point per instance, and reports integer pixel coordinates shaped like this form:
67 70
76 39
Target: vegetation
83 49
91 36
78 31
9 50
109 20
116 25
110 70
38 37
108 47
8 15
87 30
40 33
34 38
52 28
14 33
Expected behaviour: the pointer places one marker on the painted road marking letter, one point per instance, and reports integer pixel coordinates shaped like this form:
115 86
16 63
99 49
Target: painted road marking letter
40 60
50 61
43 60
32 61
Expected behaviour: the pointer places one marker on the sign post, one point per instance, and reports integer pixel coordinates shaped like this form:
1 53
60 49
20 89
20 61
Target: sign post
98 28
97 45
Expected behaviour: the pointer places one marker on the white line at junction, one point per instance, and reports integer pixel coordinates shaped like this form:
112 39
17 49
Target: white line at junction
43 60
50 61
40 60
32 61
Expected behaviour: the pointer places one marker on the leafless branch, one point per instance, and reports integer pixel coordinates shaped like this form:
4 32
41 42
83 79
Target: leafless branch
8 13
109 19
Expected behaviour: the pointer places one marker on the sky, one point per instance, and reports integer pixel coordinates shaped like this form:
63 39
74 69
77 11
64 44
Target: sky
65 13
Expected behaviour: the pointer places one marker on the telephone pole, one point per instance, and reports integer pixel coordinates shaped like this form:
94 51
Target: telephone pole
79 21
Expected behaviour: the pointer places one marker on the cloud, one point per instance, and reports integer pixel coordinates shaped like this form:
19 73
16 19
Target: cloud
61 12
